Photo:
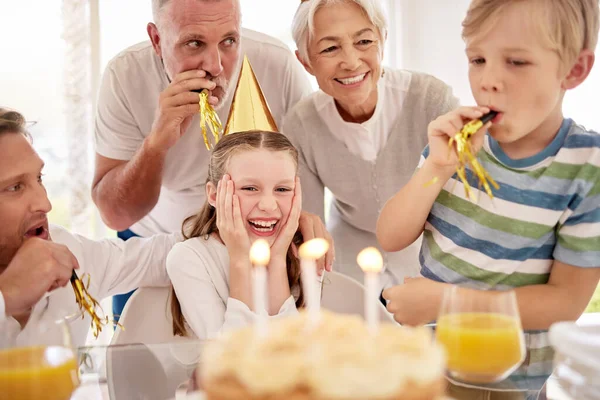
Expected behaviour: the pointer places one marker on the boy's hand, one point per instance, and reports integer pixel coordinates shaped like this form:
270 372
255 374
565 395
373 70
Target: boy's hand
445 127
417 302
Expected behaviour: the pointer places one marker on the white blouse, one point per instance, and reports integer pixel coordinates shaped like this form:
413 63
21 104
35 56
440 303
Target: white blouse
368 138
199 272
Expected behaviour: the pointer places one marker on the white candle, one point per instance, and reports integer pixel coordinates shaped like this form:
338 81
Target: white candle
371 262
309 253
260 254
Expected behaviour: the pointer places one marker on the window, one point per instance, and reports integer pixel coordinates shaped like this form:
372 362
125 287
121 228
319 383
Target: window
32 81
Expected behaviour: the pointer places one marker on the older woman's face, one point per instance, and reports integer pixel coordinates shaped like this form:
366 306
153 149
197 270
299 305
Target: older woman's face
345 54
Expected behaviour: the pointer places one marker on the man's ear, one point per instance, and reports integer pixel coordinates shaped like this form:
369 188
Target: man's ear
580 70
154 36
305 64
211 194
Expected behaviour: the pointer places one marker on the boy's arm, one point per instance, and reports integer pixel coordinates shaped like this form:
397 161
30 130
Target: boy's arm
563 298
403 217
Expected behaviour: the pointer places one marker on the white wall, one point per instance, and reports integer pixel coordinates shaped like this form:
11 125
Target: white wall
430 40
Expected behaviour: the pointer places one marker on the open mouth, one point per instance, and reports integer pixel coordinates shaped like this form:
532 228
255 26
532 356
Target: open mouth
38 231
353 80
498 116
264 227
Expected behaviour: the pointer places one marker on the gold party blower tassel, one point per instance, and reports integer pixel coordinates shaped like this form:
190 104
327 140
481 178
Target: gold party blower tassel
209 120
466 156
88 304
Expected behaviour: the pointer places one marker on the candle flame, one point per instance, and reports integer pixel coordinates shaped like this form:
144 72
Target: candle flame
370 260
314 249
260 252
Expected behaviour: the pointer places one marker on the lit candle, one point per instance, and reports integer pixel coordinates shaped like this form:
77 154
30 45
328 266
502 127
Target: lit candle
309 253
371 263
260 254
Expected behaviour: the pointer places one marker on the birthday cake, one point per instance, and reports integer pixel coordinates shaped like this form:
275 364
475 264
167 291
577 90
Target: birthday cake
338 359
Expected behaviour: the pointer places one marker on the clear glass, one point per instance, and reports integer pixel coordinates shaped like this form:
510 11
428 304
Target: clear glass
482 334
37 359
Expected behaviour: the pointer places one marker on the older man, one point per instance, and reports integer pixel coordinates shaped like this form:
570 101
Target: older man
151 161
36 258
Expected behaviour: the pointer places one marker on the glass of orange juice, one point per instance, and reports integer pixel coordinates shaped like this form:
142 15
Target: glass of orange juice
482 334
37 360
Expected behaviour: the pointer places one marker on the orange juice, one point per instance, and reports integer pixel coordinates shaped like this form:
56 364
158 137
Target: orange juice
481 344
48 373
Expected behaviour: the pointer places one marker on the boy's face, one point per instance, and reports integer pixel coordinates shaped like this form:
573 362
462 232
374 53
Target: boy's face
510 71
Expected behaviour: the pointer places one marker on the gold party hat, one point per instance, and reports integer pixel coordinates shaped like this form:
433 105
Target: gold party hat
249 108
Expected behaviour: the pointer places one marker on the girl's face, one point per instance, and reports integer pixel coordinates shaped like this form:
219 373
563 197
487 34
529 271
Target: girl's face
264 181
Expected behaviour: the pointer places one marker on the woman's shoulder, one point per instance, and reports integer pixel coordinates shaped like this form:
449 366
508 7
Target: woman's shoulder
306 107
421 81
429 93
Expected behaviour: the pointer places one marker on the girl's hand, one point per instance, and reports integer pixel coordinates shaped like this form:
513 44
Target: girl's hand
281 245
230 223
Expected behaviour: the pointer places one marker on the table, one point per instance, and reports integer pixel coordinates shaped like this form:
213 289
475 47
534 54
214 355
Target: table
162 371
136 371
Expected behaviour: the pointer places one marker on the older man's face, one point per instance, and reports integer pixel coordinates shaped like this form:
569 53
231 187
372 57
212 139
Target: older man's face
203 35
23 199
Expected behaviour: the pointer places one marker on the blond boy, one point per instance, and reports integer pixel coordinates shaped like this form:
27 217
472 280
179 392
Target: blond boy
541 232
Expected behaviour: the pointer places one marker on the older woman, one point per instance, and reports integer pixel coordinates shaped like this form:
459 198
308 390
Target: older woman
362 134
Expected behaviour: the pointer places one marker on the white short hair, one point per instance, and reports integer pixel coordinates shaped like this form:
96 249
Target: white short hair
158 5
303 23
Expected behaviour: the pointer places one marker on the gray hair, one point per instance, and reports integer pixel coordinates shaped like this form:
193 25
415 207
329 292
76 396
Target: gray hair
158 5
303 23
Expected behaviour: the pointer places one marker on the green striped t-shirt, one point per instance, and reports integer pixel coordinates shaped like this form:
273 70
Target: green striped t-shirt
547 208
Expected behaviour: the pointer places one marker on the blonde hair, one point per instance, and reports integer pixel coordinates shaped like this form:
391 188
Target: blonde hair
303 22
567 26
204 222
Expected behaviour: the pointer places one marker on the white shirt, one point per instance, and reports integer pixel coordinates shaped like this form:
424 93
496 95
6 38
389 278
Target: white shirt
368 138
114 266
127 104
199 272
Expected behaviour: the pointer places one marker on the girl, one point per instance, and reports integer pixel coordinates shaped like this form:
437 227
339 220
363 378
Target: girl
252 192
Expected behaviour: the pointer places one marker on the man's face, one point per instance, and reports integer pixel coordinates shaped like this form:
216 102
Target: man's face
23 199
201 35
